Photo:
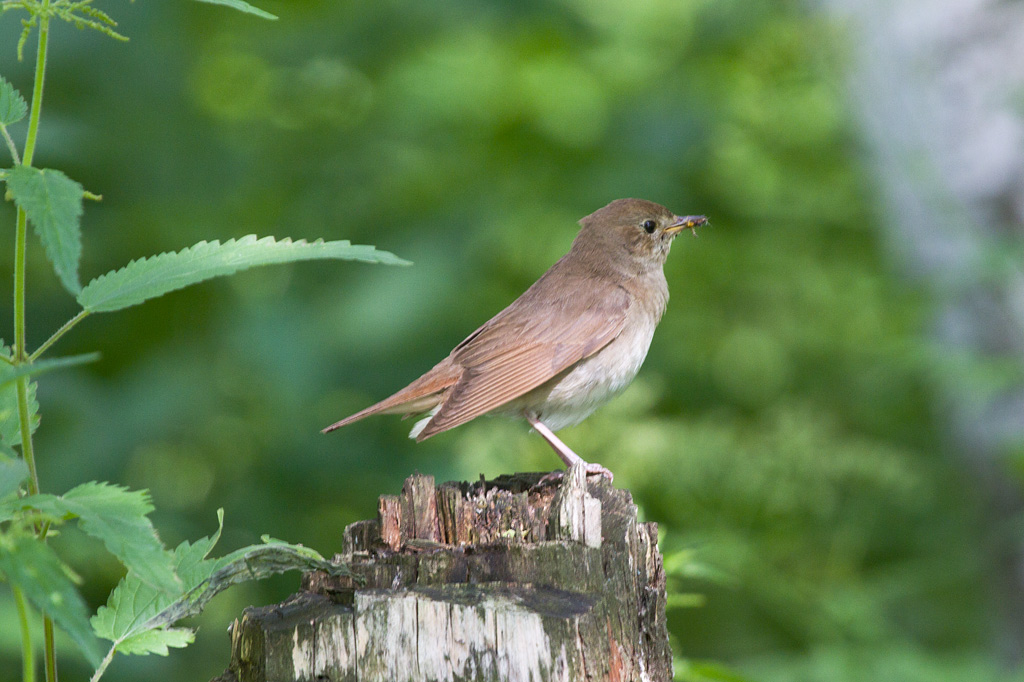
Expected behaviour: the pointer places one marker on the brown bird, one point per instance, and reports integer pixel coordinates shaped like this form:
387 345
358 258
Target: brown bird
571 342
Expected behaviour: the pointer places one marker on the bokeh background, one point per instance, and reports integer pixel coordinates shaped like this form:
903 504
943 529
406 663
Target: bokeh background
828 427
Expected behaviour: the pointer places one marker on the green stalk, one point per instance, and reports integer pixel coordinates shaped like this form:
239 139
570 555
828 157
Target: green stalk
20 236
37 88
65 328
103 664
25 420
50 649
10 144
20 353
28 658
19 286
20 244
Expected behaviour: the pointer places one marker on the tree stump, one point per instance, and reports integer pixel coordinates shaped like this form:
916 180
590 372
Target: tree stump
510 579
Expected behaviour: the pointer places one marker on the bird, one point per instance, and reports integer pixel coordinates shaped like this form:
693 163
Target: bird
571 342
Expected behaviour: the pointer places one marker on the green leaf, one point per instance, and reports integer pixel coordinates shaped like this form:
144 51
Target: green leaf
12 473
190 558
34 567
157 641
138 619
53 203
117 517
133 604
148 278
241 7
249 563
12 104
9 373
10 425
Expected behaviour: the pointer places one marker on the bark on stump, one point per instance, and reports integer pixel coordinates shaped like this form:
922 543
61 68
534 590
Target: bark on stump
494 580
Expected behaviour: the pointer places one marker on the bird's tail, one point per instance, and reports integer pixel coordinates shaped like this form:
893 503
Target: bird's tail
426 393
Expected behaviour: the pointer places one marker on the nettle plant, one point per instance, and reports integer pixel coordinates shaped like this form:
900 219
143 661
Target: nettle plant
160 586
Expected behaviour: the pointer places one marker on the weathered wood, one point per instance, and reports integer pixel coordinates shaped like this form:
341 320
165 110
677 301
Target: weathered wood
510 579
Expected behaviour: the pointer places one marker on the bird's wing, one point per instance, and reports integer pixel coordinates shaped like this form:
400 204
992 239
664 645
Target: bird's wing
526 345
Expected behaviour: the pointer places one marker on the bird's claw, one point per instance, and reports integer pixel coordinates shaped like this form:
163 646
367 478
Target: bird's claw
593 469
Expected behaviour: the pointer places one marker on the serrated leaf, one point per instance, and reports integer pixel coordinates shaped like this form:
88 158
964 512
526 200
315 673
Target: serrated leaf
9 373
241 6
12 104
135 609
35 568
148 278
133 604
12 473
117 517
190 558
53 203
249 563
10 425
157 641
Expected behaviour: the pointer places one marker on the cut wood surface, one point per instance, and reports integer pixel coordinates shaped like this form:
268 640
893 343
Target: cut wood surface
510 579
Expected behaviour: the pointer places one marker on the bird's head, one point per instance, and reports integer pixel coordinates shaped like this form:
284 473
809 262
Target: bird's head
633 229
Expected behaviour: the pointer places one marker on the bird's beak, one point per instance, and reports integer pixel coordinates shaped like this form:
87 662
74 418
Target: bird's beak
689 222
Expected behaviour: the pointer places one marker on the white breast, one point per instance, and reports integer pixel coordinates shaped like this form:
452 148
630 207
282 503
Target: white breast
571 397
596 380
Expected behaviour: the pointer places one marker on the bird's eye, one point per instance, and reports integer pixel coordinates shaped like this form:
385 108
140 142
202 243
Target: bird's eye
648 226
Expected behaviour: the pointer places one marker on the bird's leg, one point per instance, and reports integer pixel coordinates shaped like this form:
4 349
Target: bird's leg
563 451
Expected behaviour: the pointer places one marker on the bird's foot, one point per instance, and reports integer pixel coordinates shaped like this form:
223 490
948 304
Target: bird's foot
593 469
563 451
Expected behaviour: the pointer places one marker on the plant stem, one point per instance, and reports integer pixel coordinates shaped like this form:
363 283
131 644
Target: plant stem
10 144
51 650
28 655
25 420
57 334
20 237
30 148
20 354
103 665
37 89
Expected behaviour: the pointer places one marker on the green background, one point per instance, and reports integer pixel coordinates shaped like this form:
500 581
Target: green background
784 431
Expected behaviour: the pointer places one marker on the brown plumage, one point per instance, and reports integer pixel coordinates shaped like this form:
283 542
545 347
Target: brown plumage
572 341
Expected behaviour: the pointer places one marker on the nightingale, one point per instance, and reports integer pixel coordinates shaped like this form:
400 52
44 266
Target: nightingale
571 342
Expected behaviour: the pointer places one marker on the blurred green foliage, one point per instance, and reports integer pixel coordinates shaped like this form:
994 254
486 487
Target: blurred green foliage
783 431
